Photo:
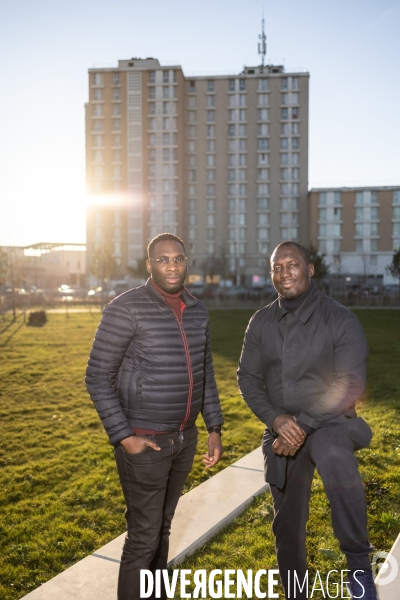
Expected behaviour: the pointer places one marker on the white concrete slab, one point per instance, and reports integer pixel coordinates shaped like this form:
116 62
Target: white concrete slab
90 579
200 514
387 589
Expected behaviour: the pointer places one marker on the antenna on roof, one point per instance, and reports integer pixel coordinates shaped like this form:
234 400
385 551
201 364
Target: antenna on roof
262 44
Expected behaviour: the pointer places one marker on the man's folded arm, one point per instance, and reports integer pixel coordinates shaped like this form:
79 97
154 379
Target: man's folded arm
350 365
111 341
251 382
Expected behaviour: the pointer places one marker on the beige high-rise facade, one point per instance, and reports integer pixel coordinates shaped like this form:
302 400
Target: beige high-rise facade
222 161
357 228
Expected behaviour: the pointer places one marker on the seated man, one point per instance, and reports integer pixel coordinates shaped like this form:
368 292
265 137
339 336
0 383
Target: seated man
302 368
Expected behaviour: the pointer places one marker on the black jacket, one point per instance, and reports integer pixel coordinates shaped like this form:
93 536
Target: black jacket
148 371
310 363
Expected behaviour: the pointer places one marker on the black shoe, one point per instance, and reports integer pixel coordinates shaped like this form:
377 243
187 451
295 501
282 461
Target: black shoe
361 585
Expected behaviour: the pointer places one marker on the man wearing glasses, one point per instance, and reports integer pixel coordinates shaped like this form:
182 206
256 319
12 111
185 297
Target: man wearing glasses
149 375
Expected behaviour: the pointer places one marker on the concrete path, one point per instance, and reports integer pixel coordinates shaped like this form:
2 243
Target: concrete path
201 513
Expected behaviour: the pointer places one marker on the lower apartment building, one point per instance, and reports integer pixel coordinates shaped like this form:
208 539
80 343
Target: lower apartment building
358 229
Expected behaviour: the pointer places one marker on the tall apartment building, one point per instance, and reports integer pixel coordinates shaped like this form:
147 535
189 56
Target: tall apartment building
358 228
222 161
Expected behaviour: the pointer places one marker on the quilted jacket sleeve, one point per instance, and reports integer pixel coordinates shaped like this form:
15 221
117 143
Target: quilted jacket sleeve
113 336
211 410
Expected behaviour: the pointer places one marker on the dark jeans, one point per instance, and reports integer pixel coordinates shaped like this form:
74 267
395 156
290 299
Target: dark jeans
331 451
152 482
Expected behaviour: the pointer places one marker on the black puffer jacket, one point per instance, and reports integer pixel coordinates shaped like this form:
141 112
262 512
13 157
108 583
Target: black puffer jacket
146 370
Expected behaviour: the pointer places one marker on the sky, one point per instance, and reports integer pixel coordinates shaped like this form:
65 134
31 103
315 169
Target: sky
350 47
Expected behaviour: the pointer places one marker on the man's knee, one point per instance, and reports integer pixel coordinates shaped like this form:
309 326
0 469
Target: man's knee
337 466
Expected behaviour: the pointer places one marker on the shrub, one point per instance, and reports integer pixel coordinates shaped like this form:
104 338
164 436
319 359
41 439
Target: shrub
37 318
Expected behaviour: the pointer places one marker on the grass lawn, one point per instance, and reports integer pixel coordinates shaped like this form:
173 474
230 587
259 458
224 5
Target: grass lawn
59 494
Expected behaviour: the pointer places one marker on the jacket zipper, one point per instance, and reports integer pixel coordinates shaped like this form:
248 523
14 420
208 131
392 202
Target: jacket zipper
189 366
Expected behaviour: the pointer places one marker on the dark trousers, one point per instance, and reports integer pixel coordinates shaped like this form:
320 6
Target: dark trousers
152 482
331 451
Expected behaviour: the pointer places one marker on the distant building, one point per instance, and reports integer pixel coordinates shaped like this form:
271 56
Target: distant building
358 229
44 265
222 161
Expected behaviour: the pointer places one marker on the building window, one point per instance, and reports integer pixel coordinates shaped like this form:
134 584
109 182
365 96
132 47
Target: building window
263 189
295 113
262 99
210 205
295 143
263 85
374 228
98 94
284 83
231 85
322 214
191 131
262 203
337 229
210 175
97 78
374 213
263 144
210 85
210 131
211 219
337 198
359 214
116 125
210 115
359 198
359 245
322 198
262 219
295 83
359 229
210 160
262 234
374 197
322 230
337 214
242 85
262 129
396 197
152 93
210 190
374 247
396 212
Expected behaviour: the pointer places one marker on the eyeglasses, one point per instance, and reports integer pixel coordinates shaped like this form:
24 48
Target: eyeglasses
166 260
